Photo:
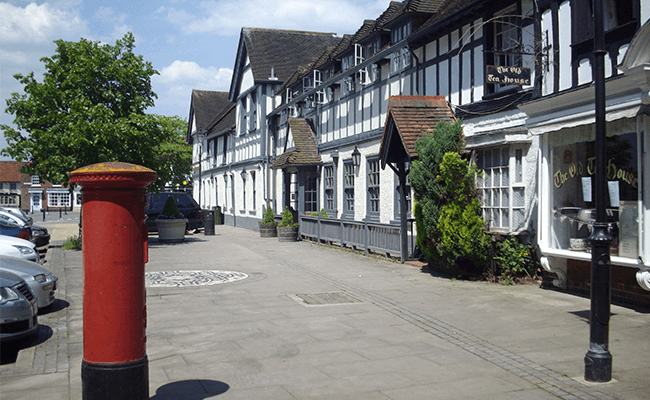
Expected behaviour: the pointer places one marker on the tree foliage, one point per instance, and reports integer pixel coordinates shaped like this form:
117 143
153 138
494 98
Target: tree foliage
423 178
89 108
460 224
447 212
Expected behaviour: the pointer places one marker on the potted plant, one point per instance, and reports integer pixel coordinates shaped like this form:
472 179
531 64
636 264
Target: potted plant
171 223
268 226
288 229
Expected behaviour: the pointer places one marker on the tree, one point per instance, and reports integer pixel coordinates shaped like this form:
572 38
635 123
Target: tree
173 156
426 187
462 235
90 108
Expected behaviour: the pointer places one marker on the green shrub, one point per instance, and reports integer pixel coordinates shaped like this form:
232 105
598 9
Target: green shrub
421 238
322 213
461 227
72 243
514 260
424 171
287 218
269 218
170 211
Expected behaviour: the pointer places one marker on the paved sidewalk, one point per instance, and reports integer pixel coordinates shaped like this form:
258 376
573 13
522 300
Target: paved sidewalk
312 322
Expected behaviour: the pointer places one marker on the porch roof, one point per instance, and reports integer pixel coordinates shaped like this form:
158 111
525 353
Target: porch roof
407 119
304 152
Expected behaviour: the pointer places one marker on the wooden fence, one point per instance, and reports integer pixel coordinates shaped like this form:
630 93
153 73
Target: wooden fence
369 236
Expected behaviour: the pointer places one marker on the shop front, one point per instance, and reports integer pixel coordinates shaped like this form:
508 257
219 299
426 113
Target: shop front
567 163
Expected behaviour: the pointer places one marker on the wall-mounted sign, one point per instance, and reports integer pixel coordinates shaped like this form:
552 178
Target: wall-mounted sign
507 75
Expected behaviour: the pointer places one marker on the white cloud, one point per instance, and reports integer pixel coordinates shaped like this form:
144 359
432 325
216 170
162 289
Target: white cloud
227 17
175 83
189 72
36 24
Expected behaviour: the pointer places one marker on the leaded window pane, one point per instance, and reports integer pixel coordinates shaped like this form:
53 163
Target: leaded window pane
518 199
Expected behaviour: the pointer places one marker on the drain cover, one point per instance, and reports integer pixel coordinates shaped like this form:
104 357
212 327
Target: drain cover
324 299
190 278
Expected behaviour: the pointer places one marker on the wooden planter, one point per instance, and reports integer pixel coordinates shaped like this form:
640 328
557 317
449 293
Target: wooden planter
171 230
287 233
268 230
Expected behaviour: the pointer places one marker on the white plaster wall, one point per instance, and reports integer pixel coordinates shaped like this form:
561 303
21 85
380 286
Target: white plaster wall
466 89
247 81
564 23
548 76
431 84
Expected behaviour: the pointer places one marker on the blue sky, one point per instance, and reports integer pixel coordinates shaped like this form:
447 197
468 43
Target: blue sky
192 44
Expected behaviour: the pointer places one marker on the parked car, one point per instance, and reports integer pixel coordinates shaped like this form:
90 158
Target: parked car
19 248
19 213
40 235
18 307
8 227
41 280
186 205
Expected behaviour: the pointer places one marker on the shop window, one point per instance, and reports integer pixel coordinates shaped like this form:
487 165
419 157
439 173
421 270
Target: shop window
373 189
572 189
348 189
58 199
501 187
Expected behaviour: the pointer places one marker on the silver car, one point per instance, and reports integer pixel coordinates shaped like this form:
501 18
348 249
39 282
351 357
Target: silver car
40 279
18 307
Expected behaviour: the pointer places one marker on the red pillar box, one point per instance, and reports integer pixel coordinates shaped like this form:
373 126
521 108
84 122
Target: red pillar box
115 364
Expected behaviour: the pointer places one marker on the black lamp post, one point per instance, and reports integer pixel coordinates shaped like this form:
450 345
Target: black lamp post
598 360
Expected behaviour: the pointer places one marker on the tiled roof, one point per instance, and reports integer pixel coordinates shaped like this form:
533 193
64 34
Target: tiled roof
208 106
304 151
494 105
283 50
10 171
326 56
447 8
413 116
224 121
414 7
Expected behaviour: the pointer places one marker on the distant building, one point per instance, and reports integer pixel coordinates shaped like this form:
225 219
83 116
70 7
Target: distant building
32 194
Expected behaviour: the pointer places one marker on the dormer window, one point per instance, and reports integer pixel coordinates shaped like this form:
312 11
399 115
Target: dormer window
401 31
36 180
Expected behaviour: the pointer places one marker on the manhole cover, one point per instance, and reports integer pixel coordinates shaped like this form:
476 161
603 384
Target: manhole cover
325 299
190 278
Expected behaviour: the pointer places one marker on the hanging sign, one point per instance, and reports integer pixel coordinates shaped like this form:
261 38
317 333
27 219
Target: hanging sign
507 75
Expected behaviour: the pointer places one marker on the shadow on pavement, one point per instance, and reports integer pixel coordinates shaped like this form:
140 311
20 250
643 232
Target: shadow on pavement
198 389
154 242
9 350
56 306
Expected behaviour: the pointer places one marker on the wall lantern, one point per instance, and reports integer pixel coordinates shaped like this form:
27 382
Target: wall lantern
356 157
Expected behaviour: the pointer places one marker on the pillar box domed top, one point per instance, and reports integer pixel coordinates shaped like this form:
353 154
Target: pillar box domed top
110 175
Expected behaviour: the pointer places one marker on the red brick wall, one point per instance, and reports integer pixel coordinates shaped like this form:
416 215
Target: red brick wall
625 288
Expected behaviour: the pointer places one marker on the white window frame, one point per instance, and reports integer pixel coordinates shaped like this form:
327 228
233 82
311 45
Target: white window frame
510 194
58 199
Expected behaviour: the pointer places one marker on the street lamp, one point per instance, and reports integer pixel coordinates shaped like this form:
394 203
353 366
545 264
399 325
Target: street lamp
598 360
356 157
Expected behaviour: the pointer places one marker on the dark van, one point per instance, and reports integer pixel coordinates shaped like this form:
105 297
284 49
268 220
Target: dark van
186 205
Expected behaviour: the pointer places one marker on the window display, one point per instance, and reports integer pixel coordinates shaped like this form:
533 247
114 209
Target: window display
573 183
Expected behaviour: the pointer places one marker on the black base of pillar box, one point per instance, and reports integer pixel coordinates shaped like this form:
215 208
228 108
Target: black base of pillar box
127 381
